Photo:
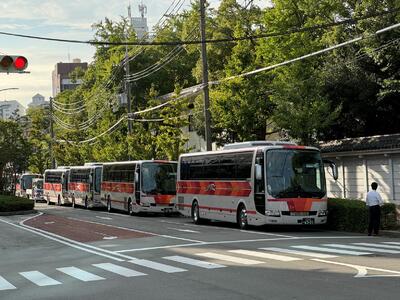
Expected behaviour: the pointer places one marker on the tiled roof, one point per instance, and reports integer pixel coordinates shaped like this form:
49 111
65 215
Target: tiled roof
369 143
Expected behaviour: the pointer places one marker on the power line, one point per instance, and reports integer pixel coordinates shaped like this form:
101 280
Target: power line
132 115
207 41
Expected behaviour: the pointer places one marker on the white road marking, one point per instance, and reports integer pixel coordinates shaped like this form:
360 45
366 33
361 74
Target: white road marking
330 250
110 237
234 259
392 243
184 230
194 262
265 255
5 285
65 241
39 278
304 253
362 248
141 231
47 223
80 274
378 245
119 270
362 271
265 233
156 266
104 218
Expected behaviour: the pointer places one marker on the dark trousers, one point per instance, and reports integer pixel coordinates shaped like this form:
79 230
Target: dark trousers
374 219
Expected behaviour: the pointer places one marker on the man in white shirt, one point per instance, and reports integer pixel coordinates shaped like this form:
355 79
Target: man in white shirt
374 202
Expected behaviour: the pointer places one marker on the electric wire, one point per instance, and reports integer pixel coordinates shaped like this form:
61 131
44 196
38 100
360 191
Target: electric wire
253 72
208 41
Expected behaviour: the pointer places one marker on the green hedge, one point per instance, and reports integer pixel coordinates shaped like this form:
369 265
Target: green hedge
352 215
12 203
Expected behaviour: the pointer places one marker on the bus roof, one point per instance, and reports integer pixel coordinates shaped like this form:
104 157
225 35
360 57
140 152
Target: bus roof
256 144
60 170
137 162
247 149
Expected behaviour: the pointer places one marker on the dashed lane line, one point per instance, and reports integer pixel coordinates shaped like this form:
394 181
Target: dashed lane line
39 278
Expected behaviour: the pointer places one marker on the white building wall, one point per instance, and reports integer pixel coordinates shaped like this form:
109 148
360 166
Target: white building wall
356 173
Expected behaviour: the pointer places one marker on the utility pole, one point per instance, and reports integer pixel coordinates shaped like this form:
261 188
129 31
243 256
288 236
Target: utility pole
127 85
207 116
53 161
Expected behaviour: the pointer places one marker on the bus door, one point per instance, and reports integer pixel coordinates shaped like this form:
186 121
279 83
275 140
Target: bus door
137 184
96 185
259 183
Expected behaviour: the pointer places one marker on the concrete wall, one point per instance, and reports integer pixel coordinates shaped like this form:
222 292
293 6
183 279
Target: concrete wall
357 172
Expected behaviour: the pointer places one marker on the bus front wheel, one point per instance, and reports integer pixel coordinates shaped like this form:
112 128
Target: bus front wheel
242 217
196 213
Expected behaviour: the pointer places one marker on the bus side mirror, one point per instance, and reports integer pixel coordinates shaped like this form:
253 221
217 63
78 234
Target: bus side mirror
258 172
332 165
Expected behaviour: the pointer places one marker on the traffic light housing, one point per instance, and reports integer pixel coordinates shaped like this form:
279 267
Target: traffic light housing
13 64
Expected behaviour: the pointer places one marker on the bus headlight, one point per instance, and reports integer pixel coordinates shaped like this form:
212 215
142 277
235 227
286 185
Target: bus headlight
273 213
322 213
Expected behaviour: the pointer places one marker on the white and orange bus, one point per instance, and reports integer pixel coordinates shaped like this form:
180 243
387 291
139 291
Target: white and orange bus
23 187
85 185
274 184
55 187
139 186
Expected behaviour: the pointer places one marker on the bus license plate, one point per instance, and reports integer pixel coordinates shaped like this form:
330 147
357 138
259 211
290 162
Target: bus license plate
308 221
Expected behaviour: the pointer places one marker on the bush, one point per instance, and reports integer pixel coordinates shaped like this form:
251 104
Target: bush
352 215
12 203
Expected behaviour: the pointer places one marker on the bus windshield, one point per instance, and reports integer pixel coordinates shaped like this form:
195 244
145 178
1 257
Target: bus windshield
159 178
38 184
295 173
27 181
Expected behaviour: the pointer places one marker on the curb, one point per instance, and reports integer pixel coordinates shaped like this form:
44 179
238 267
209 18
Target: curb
19 212
390 233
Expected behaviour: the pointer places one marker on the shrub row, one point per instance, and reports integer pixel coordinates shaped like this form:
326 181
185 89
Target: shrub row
12 203
352 215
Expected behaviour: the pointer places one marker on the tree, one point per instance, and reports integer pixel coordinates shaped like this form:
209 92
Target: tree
14 149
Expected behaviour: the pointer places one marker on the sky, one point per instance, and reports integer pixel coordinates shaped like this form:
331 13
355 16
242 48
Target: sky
70 19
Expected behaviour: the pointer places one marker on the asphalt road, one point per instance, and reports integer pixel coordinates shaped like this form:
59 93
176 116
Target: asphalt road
66 253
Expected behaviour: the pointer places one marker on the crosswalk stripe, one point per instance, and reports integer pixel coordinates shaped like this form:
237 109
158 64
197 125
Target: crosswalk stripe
119 270
5 285
304 253
265 255
156 266
392 243
362 248
378 245
330 250
80 274
194 262
235 259
39 278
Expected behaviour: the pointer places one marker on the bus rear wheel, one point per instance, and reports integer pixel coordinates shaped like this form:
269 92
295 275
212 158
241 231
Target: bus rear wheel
196 213
242 220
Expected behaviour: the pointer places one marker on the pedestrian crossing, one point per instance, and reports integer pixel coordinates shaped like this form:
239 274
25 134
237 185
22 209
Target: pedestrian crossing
200 259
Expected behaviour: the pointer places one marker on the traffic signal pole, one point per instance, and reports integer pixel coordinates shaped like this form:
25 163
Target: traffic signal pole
53 161
207 115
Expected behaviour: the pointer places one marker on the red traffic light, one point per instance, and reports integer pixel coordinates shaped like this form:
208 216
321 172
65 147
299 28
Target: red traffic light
20 63
13 64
